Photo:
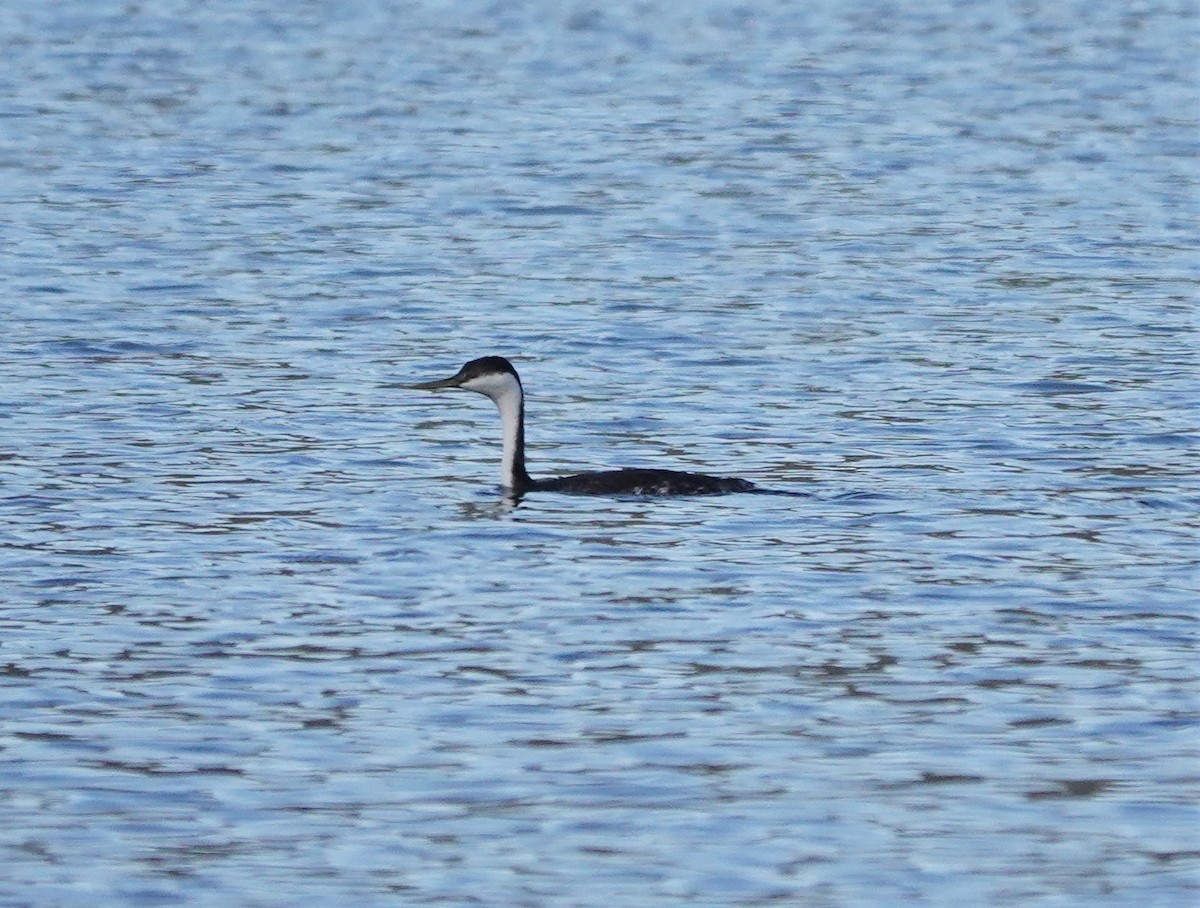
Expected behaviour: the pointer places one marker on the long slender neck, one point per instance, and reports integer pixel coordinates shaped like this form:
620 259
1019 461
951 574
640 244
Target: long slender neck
511 403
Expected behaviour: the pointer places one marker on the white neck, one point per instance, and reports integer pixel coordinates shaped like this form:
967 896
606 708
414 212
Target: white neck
509 405
505 392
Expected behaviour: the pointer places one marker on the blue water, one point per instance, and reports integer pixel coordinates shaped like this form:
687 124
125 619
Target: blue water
270 635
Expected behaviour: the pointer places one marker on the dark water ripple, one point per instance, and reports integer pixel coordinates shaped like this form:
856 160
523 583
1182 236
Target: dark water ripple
267 633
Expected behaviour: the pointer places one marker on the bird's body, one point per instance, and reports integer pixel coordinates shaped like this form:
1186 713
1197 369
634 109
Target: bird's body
495 378
644 482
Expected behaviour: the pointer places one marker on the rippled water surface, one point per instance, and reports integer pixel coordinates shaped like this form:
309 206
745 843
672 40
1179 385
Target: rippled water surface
269 633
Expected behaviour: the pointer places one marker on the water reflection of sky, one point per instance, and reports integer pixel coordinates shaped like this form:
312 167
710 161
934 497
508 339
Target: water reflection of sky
269 633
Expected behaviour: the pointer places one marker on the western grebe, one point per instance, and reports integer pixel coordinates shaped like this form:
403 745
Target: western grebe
495 377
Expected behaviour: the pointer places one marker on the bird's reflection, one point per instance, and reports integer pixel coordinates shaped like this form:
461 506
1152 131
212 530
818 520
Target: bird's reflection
493 510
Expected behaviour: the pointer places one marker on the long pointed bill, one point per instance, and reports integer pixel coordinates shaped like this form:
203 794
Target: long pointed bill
452 382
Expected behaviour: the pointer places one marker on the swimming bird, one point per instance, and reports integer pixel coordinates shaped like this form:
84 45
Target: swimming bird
494 377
